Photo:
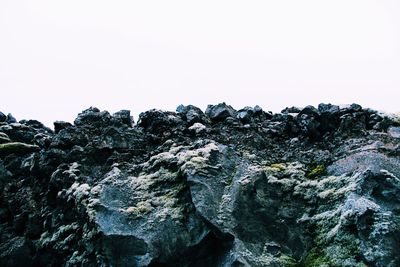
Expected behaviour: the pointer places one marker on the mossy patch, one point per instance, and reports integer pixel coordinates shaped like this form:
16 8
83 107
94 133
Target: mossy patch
4 138
316 172
288 261
17 148
317 258
278 166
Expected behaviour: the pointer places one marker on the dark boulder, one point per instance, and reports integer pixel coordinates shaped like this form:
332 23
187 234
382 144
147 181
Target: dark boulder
308 122
3 117
60 125
291 110
192 114
124 116
158 121
245 114
329 117
10 118
353 123
220 112
93 117
19 132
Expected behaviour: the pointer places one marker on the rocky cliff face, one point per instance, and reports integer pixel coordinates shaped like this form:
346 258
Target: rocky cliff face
305 187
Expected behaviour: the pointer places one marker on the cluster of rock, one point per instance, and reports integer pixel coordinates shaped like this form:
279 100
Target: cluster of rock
225 187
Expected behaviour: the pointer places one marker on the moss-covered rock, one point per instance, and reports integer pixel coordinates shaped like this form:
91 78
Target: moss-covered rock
17 148
317 258
4 138
317 171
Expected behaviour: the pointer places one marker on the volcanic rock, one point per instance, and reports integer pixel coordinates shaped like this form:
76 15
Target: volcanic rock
305 187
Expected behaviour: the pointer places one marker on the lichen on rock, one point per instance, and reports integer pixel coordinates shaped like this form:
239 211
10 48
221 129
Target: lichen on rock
305 187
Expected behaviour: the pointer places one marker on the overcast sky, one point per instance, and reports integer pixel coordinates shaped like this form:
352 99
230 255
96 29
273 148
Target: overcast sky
60 57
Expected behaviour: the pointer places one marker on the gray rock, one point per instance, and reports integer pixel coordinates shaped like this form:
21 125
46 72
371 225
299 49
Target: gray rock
394 132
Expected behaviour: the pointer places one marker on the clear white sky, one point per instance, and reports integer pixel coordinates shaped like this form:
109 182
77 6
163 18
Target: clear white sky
60 57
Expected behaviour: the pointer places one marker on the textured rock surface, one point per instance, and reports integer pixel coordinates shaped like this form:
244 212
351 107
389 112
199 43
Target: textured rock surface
305 187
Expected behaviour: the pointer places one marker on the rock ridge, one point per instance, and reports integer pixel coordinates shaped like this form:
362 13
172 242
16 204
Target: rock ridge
312 186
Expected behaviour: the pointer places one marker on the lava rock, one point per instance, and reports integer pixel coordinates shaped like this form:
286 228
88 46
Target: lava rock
124 116
93 117
219 112
316 188
192 114
291 110
158 121
3 117
329 117
10 118
245 114
308 121
60 125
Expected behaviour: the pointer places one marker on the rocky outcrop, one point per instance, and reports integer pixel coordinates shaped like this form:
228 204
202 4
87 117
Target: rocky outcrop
305 187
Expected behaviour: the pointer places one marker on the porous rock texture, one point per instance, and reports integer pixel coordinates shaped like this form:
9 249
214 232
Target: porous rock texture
313 186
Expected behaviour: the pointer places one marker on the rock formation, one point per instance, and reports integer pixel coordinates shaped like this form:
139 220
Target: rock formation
304 187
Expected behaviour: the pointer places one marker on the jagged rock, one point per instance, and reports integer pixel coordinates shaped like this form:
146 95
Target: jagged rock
60 125
124 116
291 110
308 121
309 187
92 117
192 114
157 121
10 118
3 117
353 123
220 112
329 117
245 114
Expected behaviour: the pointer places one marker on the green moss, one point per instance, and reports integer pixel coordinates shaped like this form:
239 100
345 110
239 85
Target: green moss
317 258
288 261
142 208
17 148
278 166
317 171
